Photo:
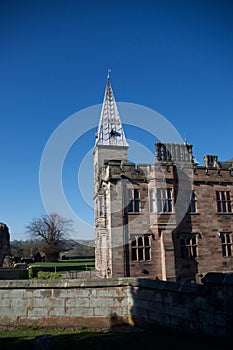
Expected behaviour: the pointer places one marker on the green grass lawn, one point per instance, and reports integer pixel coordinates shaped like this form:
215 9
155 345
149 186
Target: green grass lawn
81 261
83 339
63 266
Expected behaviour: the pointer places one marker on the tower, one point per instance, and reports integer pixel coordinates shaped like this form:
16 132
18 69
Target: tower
110 145
110 138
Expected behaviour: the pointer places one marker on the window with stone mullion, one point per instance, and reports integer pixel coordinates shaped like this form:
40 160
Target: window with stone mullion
226 241
133 201
223 199
141 248
164 200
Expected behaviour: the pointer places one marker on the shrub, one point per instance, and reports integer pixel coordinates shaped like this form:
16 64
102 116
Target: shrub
32 273
46 275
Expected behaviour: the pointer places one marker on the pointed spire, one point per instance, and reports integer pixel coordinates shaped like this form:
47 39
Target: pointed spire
108 77
110 130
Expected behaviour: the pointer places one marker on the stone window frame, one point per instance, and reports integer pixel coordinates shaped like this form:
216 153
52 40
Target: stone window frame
133 200
102 206
226 243
189 245
152 200
224 202
140 247
164 199
192 208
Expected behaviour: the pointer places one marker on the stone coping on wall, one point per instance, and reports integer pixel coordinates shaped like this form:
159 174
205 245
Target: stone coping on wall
67 283
92 283
104 283
209 279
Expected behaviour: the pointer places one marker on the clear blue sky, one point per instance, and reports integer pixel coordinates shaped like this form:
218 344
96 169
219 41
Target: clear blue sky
173 56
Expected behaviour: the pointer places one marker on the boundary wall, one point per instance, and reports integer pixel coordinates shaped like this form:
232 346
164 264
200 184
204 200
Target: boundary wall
196 308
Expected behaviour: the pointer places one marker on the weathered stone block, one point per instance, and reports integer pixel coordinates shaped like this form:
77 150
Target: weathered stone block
5 302
38 312
77 302
57 312
97 302
15 303
48 302
79 311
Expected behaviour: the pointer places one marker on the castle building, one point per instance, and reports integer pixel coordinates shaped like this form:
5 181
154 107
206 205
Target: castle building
171 220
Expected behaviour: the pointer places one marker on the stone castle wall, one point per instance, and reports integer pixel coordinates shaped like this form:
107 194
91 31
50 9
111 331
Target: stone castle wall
197 308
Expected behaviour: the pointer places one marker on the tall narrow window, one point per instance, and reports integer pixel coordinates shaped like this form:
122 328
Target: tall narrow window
223 199
102 206
147 246
226 240
188 246
152 201
141 248
193 204
192 208
164 198
133 201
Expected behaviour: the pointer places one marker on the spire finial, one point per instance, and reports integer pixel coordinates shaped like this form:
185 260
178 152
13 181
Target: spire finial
109 71
185 139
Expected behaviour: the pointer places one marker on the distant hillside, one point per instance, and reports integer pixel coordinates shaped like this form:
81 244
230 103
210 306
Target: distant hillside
25 249
81 248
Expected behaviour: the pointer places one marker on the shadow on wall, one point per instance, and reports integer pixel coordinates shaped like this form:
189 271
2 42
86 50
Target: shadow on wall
185 245
189 312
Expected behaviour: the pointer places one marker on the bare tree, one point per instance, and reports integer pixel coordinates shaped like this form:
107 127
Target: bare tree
51 230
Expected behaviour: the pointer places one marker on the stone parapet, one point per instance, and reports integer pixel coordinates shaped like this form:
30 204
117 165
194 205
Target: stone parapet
195 308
